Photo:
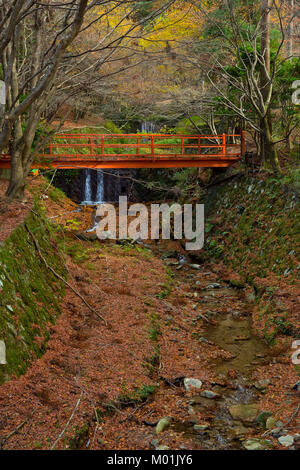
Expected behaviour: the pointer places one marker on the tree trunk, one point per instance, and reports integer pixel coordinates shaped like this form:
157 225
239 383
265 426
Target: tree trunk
16 186
269 155
268 150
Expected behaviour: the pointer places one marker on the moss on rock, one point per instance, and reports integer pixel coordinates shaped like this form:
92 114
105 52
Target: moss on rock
29 292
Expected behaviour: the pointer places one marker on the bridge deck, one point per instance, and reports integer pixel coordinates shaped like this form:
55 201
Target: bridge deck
138 151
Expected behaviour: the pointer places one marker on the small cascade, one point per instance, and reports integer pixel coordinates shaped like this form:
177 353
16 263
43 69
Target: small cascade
87 187
148 127
100 187
93 191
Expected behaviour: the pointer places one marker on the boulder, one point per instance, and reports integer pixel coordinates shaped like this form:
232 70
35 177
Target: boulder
286 441
190 383
163 424
255 444
245 413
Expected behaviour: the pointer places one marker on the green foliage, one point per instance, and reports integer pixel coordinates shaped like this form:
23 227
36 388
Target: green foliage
80 435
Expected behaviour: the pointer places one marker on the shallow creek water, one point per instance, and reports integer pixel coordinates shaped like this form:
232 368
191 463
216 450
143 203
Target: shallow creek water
233 333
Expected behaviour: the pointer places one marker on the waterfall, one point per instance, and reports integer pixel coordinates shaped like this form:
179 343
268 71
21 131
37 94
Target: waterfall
100 187
93 186
148 127
87 187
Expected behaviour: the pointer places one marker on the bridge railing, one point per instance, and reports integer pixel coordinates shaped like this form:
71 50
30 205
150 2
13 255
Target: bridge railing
128 146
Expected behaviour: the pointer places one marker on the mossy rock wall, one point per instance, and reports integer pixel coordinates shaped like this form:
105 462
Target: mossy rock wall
253 226
29 293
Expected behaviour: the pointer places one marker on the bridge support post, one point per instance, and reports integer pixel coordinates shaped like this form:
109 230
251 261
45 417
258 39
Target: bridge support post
224 145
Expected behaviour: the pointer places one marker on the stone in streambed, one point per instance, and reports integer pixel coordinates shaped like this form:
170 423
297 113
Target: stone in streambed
256 444
286 441
262 418
195 266
155 442
239 431
200 427
262 384
271 423
209 394
163 424
190 383
246 413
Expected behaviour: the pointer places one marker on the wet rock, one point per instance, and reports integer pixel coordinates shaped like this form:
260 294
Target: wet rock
286 441
256 444
296 386
262 418
209 394
179 267
154 442
278 431
262 384
245 413
162 448
239 431
270 423
195 266
163 424
200 427
190 383
213 285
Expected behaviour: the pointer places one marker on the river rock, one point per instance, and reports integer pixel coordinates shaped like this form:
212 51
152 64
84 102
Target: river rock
200 427
246 413
195 266
163 424
155 442
209 394
262 384
255 444
190 383
262 418
239 431
286 441
271 423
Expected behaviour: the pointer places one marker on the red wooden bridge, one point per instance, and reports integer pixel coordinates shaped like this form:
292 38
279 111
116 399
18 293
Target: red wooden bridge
138 151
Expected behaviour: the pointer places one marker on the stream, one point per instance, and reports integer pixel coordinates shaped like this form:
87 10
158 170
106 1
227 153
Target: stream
231 330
